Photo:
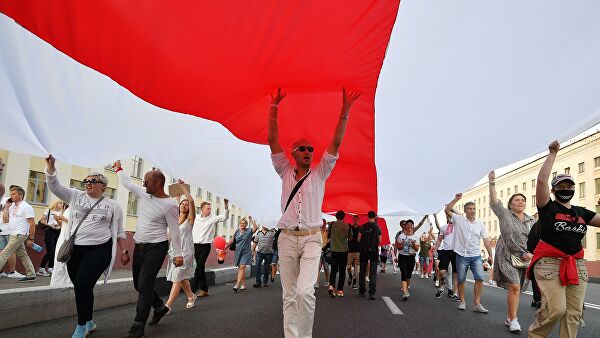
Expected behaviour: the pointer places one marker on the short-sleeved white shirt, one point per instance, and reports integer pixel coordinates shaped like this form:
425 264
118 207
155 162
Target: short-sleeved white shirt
18 215
468 235
447 232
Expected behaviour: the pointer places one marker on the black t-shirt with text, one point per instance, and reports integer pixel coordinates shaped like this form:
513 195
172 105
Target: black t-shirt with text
564 228
369 240
353 244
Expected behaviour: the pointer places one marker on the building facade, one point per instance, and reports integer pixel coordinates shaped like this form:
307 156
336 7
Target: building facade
28 172
580 158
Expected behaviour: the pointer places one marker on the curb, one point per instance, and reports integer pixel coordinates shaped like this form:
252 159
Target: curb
45 303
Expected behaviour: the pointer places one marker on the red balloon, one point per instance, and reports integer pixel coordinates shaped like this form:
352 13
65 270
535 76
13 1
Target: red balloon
219 243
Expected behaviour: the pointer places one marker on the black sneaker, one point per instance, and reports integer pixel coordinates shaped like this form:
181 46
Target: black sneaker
371 296
535 304
136 331
361 293
158 314
272 280
354 287
256 285
455 298
26 279
450 293
438 294
266 285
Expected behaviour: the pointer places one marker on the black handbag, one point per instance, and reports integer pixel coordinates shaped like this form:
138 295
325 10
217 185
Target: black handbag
42 225
232 245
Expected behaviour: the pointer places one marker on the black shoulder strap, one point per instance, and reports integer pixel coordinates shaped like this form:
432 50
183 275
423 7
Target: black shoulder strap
295 190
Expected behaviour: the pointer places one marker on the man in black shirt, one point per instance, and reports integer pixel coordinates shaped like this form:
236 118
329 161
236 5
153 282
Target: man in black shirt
369 238
353 253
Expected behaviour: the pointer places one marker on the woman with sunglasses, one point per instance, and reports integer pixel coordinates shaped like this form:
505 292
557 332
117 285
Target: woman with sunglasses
96 240
180 276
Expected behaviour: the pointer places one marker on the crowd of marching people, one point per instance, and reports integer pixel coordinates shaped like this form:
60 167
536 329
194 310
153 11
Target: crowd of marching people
84 235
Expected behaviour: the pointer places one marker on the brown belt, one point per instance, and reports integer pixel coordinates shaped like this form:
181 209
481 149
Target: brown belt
305 232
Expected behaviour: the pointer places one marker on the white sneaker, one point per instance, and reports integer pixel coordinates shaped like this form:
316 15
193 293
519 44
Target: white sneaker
16 275
42 272
50 270
462 306
437 283
479 308
3 275
367 279
514 326
422 276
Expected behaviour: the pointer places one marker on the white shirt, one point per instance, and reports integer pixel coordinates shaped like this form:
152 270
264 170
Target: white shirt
18 215
155 215
204 228
468 235
97 228
407 249
447 232
304 211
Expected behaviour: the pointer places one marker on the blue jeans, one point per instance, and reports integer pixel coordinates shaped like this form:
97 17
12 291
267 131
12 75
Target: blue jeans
464 263
260 258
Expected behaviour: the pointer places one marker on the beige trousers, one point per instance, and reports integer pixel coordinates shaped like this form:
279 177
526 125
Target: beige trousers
16 244
299 258
560 304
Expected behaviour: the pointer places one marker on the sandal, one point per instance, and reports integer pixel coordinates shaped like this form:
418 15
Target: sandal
191 301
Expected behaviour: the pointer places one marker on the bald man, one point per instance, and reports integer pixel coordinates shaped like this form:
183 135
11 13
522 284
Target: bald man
300 239
156 212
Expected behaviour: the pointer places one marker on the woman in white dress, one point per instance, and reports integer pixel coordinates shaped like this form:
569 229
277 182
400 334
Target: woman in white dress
180 276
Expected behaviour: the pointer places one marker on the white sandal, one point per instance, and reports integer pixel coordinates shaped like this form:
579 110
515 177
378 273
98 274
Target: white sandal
191 301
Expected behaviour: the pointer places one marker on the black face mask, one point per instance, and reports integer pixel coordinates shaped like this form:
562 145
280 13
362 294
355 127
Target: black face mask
564 196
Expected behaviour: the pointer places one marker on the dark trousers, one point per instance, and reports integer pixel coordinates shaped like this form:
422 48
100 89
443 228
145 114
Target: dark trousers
406 263
50 239
86 265
260 258
537 295
148 258
365 257
338 268
201 252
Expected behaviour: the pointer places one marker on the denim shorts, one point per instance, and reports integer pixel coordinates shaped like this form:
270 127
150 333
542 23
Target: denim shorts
275 257
464 263
3 241
423 260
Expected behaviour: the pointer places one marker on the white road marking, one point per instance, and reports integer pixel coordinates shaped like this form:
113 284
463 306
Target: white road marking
587 305
392 306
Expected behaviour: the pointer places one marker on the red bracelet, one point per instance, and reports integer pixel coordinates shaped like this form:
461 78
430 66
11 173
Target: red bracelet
118 169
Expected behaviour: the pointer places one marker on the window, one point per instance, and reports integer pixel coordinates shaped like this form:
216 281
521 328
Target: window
568 170
533 201
516 189
483 212
582 190
533 183
507 192
597 162
490 227
138 167
198 211
77 185
478 213
173 180
218 200
483 199
524 186
581 167
37 189
479 201
495 226
598 240
199 192
501 193
132 205
208 195
110 193
597 181
554 174
490 212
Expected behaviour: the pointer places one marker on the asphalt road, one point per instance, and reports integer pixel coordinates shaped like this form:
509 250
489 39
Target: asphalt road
257 313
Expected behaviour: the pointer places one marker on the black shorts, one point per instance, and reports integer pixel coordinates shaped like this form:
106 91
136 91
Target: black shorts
446 258
383 259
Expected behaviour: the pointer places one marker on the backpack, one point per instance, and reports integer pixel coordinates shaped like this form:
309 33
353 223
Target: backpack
372 242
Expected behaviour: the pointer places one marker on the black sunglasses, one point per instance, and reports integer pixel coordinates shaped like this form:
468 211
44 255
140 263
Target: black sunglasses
303 148
92 181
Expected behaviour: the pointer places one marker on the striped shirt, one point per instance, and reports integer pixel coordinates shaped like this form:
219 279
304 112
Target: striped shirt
264 241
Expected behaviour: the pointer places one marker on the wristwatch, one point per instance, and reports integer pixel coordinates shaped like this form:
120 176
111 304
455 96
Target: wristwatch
124 251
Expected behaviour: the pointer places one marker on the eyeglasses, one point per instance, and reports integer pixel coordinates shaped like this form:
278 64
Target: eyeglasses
303 148
92 181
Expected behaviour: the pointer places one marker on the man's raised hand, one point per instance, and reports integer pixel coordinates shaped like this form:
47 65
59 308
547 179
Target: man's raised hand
276 98
50 164
349 97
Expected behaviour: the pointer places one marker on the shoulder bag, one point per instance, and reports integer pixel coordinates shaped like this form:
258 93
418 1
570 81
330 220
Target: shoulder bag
42 225
66 249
